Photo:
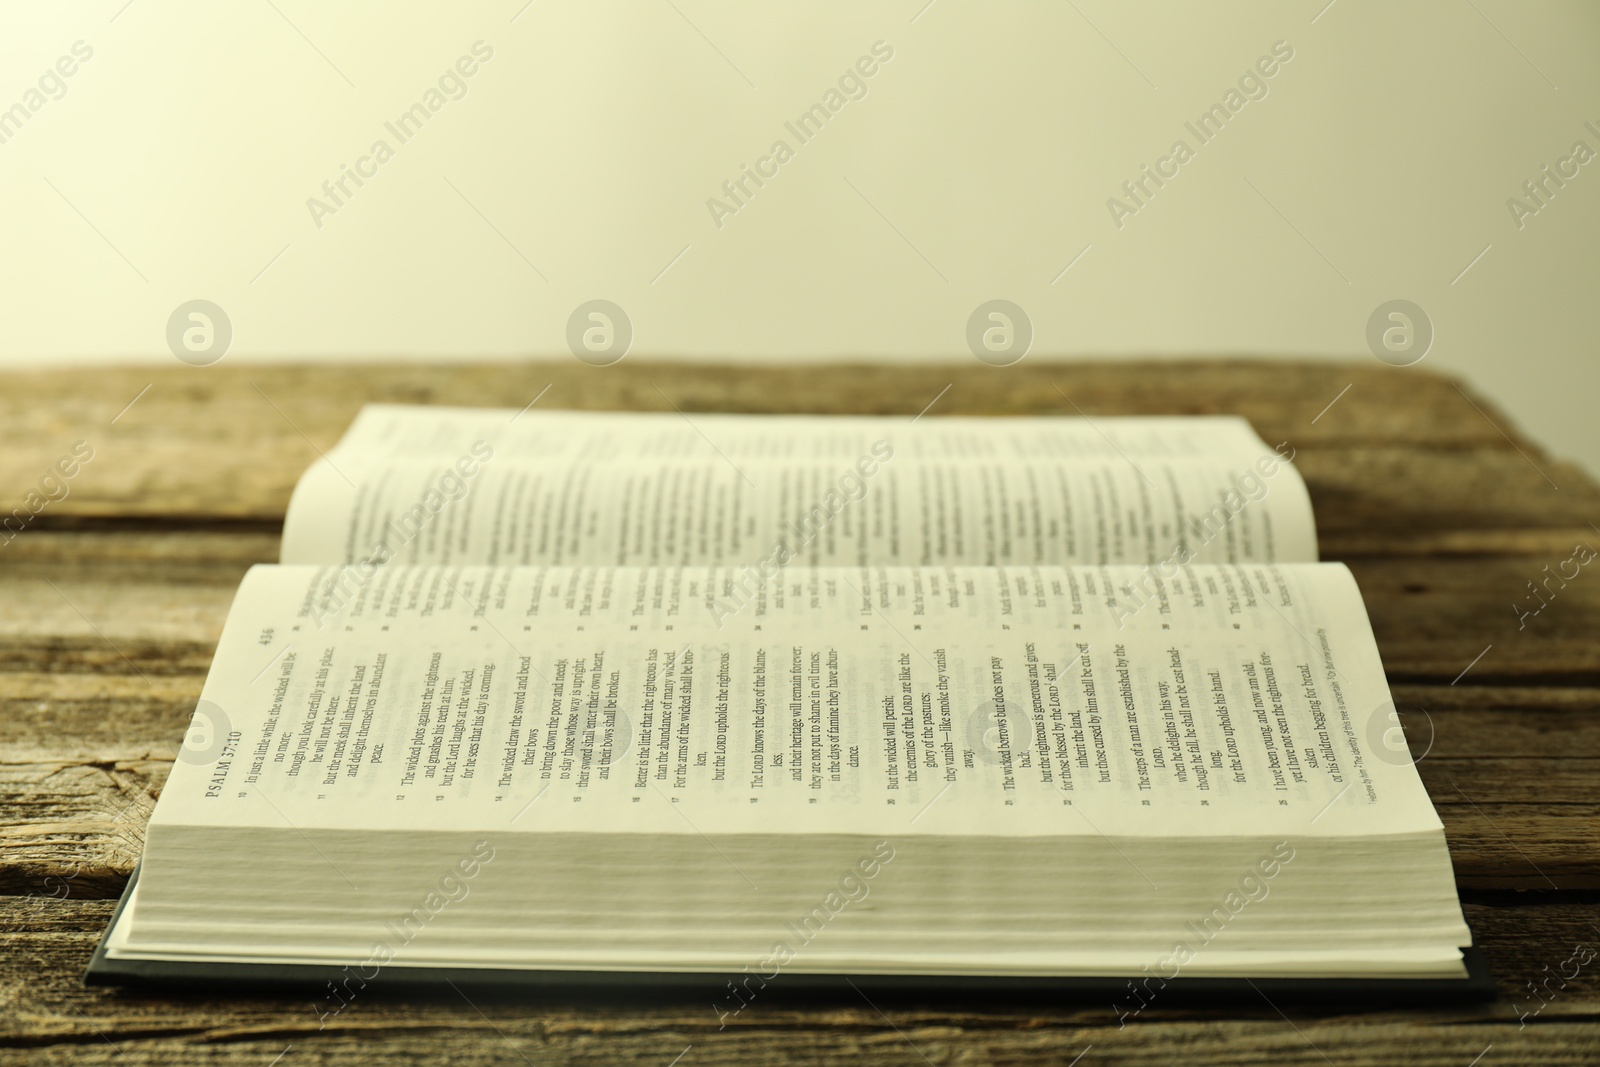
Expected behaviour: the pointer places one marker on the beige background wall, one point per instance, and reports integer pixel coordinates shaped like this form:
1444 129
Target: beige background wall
178 160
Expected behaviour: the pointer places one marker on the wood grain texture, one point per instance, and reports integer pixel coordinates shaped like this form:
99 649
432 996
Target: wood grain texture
115 596
51 940
228 442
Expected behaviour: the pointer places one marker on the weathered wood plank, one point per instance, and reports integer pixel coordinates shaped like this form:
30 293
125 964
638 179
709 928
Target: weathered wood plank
178 552
57 1020
1465 697
1364 490
1554 543
1434 618
229 442
75 824
236 402
94 717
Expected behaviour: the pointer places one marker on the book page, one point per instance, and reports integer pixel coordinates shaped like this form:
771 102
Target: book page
1022 701
401 431
414 485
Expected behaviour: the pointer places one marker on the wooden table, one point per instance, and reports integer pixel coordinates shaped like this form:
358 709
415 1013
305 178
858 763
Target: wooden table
114 597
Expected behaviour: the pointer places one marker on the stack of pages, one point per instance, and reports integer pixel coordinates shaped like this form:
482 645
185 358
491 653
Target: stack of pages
581 692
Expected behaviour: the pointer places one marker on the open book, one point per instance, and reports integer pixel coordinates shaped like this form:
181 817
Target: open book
750 696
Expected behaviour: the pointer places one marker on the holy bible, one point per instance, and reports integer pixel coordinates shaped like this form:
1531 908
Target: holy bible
743 701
